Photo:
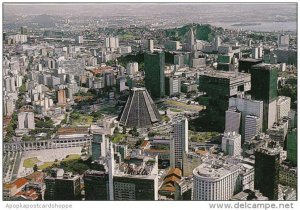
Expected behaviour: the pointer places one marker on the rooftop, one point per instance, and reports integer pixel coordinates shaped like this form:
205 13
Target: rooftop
214 169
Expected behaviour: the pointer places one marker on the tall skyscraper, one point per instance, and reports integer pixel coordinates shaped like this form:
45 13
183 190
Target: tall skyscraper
283 106
179 142
172 85
154 74
252 126
191 40
62 186
266 172
264 88
96 185
150 45
99 146
232 120
136 179
247 106
231 144
292 146
255 53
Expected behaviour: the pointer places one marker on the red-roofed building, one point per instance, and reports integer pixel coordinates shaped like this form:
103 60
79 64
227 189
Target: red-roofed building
13 188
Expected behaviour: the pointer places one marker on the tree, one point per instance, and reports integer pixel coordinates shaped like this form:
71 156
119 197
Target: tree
35 167
116 131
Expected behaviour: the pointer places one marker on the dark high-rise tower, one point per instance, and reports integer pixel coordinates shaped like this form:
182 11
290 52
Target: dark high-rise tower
154 74
264 88
266 170
96 185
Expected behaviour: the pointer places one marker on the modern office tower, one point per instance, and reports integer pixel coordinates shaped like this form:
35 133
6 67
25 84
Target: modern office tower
247 106
179 142
255 53
132 68
191 40
264 88
283 41
292 119
219 86
79 40
26 120
283 106
24 30
96 185
150 45
154 74
136 179
62 186
279 131
292 146
61 97
99 146
231 144
215 181
172 85
245 64
252 126
266 170
140 110
232 120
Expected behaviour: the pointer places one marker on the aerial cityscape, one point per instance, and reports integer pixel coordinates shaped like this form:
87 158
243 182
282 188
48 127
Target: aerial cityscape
149 102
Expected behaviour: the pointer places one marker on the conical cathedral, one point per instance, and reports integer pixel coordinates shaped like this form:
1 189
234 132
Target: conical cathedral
140 110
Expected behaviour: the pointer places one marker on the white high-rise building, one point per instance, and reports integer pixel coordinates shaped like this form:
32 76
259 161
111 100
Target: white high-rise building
283 41
255 53
111 42
26 120
217 42
132 68
179 142
8 106
232 120
231 144
10 84
214 181
248 107
151 45
251 126
260 52
283 106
